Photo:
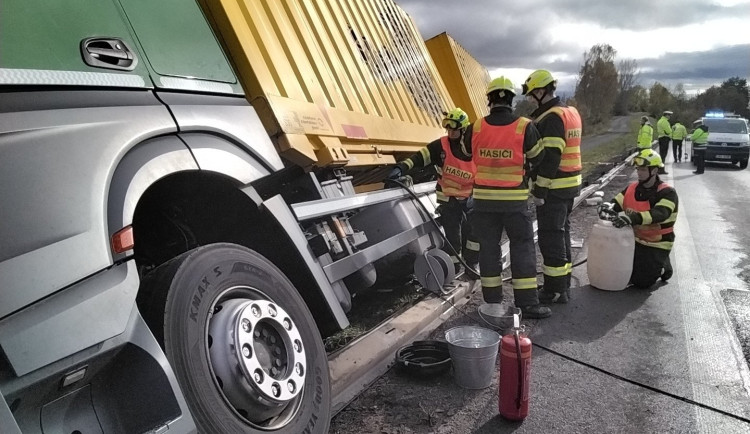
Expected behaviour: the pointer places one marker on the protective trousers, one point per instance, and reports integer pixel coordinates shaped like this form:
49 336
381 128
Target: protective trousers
677 149
649 263
489 227
663 149
454 216
700 159
553 230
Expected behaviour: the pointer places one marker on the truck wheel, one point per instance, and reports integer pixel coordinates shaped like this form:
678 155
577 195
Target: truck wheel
243 345
743 164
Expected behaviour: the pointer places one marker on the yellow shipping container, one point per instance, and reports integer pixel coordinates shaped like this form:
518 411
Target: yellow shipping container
337 82
465 78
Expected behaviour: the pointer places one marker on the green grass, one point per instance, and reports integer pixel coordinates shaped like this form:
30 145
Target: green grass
614 150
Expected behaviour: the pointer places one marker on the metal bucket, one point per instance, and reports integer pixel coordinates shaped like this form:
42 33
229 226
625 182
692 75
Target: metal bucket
474 353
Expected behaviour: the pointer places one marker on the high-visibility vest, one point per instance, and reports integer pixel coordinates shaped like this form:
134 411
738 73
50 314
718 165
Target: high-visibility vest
663 129
499 157
679 132
570 162
645 136
647 234
699 137
457 178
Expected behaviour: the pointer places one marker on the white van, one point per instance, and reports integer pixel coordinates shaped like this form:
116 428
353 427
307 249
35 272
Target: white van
728 139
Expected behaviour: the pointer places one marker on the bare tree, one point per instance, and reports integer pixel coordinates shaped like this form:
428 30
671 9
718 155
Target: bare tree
596 90
628 76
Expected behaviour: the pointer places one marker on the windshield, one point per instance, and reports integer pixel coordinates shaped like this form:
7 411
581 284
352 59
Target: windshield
733 126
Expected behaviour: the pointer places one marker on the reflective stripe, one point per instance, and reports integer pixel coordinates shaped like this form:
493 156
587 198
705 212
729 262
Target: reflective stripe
425 155
572 181
81 78
441 197
408 163
516 179
541 181
472 245
666 203
555 271
455 259
646 216
491 282
525 283
666 245
521 194
521 126
554 142
535 150
619 198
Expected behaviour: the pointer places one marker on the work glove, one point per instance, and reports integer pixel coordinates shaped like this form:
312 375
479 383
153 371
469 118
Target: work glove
395 173
622 220
606 211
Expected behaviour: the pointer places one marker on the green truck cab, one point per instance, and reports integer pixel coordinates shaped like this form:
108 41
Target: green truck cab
174 245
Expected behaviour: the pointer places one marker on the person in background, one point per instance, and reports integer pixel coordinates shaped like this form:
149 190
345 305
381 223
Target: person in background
700 141
645 134
558 182
664 135
453 191
679 132
649 205
501 144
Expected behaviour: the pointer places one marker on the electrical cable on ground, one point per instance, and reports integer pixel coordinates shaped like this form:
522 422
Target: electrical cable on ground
549 350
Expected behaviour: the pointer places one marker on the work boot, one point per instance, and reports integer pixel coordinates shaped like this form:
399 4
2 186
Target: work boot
667 273
535 311
549 297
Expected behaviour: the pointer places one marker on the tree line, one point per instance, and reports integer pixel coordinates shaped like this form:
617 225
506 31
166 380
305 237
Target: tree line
606 87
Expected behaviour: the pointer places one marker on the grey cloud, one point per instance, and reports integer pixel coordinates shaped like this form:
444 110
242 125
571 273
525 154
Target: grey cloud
699 69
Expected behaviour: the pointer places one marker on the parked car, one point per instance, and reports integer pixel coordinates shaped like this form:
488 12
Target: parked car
728 139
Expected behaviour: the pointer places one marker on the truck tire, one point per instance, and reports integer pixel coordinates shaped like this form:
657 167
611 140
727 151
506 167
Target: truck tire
241 341
743 164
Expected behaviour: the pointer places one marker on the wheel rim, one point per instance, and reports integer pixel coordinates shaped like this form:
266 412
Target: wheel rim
257 357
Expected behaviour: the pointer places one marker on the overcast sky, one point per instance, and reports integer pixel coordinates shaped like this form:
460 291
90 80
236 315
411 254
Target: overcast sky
698 43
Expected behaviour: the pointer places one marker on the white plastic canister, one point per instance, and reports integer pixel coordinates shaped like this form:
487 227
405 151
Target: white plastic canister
610 256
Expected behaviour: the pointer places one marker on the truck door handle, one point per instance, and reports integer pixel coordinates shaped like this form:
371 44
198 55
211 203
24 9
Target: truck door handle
110 53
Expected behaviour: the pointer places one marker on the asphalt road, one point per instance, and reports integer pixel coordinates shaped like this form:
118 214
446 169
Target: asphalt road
670 359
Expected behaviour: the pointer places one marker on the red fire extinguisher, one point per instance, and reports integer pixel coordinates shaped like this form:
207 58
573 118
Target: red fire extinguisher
515 370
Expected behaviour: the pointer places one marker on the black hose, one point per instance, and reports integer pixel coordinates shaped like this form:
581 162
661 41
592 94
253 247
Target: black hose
471 271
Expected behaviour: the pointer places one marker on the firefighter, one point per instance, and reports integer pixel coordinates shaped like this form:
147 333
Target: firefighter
679 132
664 134
700 141
455 182
501 144
558 182
650 206
645 134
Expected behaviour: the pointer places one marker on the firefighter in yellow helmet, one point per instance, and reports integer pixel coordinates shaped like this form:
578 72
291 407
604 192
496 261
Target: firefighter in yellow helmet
558 182
650 206
502 145
455 182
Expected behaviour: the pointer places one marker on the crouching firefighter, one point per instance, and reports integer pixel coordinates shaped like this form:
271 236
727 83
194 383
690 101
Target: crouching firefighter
500 145
650 206
454 186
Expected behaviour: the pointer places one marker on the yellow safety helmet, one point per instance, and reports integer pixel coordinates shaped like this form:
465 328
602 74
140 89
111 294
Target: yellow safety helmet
537 80
501 83
455 119
647 158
